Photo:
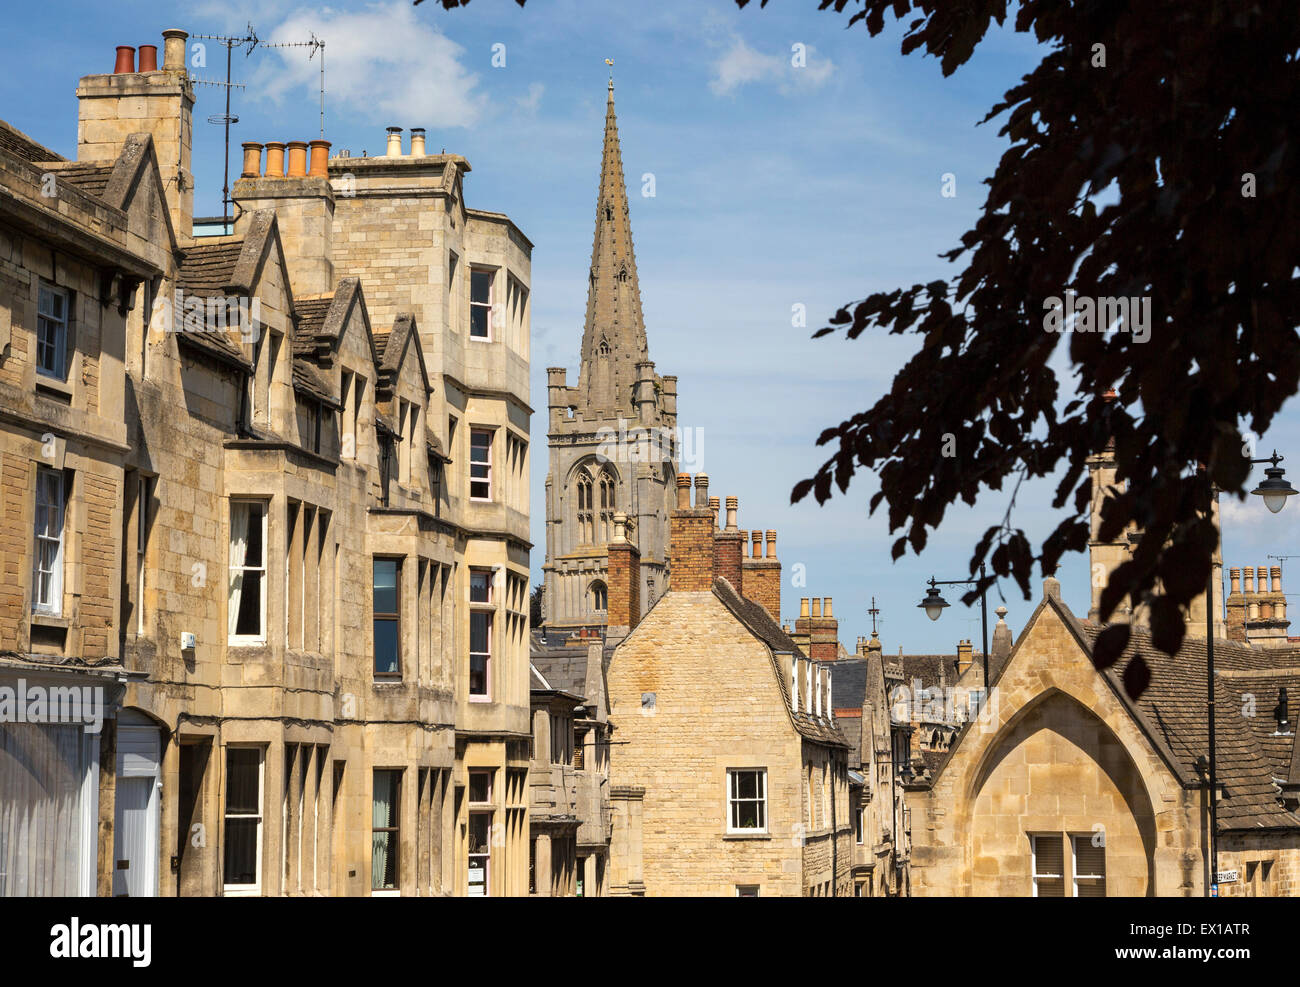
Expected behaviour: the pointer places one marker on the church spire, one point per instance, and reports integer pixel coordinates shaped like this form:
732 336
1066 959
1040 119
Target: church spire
613 337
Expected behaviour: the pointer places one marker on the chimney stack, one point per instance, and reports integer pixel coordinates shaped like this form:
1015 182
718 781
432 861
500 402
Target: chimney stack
691 537
728 548
624 600
114 109
964 656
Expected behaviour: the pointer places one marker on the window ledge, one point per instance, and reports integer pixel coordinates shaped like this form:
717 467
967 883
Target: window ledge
49 382
50 619
747 836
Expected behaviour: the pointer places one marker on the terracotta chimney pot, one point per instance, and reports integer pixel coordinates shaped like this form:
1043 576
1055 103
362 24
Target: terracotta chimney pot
274 159
320 156
417 142
148 58
125 59
252 159
297 159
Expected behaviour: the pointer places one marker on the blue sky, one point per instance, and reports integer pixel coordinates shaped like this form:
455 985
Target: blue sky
775 186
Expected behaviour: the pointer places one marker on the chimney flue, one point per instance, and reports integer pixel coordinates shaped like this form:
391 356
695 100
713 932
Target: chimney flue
733 504
816 606
701 491
148 58
417 142
714 504
297 159
684 492
320 156
125 59
252 159
274 159
174 49
771 545
826 607
394 149
757 553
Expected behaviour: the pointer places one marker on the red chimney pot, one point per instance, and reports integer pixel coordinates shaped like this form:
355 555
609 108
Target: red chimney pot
125 59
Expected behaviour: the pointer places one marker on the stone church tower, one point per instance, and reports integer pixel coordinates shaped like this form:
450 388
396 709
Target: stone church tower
613 443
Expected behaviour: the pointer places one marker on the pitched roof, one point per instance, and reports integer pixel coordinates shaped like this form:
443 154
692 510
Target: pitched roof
14 141
90 177
207 268
759 622
1252 758
308 380
849 683
311 320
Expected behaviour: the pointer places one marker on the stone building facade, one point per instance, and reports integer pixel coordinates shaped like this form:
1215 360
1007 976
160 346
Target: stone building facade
293 514
569 781
1066 787
729 774
613 437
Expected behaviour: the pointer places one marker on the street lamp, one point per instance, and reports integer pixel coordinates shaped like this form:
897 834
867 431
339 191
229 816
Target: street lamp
1275 490
934 605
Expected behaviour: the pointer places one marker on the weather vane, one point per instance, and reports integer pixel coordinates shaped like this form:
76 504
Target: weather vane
610 63
873 611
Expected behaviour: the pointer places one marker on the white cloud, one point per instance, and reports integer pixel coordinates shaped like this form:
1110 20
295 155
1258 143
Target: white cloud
798 68
533 100
384 60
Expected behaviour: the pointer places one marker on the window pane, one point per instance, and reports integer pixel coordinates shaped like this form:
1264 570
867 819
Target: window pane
480 286
242 769
249 621
480 786
386 647
253 557
480 445
480 832
479 624
478 679
385 576
241 851
480 587
478 321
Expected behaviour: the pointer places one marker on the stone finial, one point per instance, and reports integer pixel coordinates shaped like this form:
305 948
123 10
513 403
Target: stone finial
620 526
1052 588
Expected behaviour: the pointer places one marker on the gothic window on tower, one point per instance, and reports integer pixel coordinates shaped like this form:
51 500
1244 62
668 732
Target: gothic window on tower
606 506
584 509
599 597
